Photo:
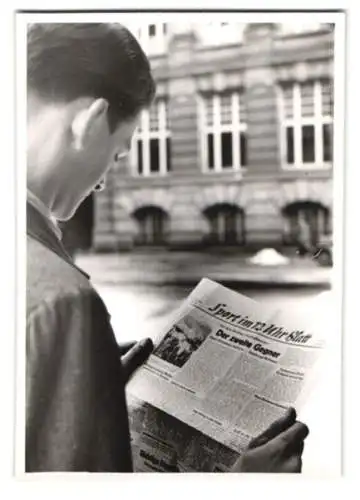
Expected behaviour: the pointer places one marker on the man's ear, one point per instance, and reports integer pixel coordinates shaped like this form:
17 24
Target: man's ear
89 121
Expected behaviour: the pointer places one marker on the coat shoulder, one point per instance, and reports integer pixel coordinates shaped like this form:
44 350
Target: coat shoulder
48 274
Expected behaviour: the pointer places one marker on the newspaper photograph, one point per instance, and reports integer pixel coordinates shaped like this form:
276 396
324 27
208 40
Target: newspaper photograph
225 368
162 443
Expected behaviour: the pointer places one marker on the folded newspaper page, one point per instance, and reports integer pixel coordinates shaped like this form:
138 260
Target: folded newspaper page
224 370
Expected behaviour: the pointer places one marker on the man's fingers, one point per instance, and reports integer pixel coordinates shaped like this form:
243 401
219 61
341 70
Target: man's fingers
296 448
289 438
296 432
136 356
293 464
275 428
124 347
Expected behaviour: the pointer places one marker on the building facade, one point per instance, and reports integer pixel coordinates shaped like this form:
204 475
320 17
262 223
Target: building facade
237 148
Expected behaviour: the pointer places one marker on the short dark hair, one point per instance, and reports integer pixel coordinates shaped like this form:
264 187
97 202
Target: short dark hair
70 60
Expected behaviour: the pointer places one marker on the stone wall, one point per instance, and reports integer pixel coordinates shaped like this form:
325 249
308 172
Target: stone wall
263 188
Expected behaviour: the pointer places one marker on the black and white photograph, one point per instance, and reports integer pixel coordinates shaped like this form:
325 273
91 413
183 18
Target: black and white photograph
161 148
182 340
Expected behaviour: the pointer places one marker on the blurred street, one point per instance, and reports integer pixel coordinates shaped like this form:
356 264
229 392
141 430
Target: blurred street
187 268
141 290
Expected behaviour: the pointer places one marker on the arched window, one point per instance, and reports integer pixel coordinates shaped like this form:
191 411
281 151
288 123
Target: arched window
308 220
226 224
152 226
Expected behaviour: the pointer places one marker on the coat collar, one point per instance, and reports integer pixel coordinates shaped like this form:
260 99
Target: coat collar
44 211
39 229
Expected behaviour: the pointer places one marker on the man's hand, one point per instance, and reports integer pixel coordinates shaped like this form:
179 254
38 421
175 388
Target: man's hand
134 354
278 449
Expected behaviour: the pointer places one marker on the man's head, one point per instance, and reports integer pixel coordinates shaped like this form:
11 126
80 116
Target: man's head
87 84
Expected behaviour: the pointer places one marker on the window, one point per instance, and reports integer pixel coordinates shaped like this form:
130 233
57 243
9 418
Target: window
306 222
152 37
327 141
306 113
223 122
152 226
226 224
152 30
220 33
297 28
156 30
152 155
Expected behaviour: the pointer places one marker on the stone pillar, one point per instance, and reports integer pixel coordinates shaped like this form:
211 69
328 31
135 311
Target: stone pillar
183 122
183 119
264 223
188 226
264 227
261 103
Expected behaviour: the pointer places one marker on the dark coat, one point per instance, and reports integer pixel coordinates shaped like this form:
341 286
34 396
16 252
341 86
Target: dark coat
76 416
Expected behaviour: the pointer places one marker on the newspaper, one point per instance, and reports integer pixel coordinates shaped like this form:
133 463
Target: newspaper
225 368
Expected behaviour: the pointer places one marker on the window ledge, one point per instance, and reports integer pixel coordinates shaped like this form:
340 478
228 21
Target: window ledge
307 166
228 170
153 175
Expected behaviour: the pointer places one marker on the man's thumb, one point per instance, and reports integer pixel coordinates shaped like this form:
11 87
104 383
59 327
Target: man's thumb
136 356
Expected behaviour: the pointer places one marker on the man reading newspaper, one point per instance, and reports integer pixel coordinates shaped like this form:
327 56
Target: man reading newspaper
87 84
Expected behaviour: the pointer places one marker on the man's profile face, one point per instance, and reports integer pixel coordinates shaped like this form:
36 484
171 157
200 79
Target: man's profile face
116 147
